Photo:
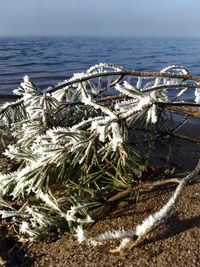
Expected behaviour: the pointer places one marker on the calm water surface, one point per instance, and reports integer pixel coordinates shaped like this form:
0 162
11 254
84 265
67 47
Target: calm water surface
49 60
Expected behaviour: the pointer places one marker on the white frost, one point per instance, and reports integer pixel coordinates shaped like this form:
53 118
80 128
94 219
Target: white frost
80 234
197 95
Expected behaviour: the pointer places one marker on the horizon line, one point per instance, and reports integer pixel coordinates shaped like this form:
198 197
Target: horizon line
96 36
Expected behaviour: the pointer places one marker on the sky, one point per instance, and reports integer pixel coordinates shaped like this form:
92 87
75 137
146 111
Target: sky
179 18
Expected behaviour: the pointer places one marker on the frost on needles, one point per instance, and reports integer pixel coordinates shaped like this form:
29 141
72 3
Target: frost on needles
69 150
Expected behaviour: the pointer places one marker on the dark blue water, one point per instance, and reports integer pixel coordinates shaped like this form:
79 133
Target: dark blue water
53 59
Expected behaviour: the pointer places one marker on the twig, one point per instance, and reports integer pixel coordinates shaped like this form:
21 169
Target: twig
142 187
183 122
168 86
187 138
140 231
124 73
178 104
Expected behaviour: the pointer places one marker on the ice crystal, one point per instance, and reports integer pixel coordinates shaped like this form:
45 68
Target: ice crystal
24 227
117 139
197 95
80 234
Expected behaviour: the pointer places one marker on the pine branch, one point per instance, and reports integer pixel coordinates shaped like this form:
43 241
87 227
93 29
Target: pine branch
76 139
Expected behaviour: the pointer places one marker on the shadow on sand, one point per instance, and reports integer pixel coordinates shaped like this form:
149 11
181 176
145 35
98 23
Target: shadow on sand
12 253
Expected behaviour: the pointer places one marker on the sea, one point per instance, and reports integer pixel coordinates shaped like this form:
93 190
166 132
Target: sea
49 60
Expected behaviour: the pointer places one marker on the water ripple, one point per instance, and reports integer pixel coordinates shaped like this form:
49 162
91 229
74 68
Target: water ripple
49 60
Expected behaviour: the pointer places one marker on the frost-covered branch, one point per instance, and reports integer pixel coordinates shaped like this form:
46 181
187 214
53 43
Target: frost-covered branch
125 73
70 143
141 230
173 86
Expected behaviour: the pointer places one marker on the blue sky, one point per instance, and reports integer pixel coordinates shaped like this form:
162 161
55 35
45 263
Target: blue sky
100 17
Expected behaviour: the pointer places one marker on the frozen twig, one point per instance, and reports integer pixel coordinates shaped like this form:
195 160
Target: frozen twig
140 231
125 73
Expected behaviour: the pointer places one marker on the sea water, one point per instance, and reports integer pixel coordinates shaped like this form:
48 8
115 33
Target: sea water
49 60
